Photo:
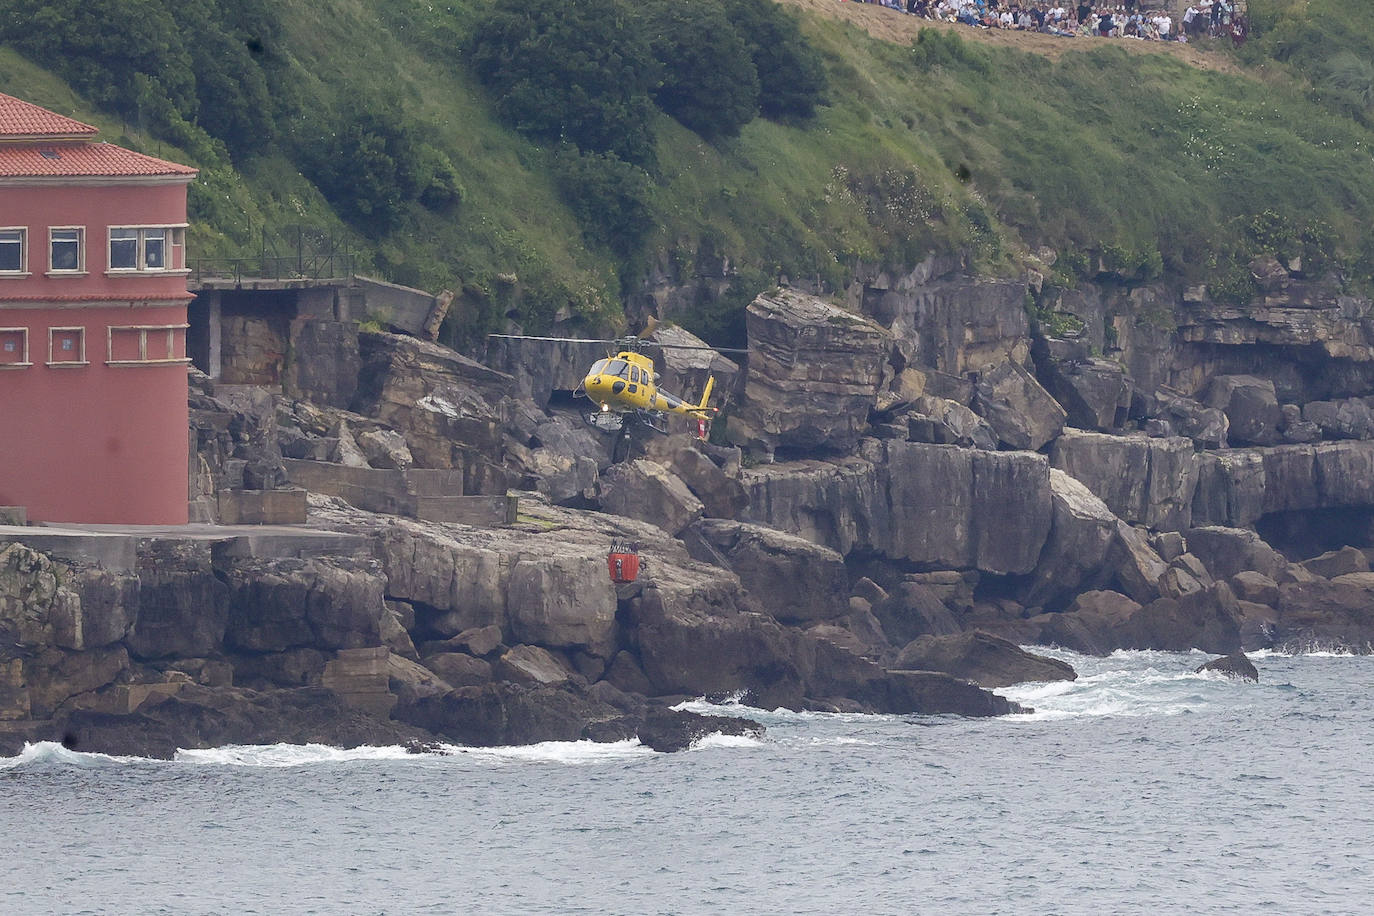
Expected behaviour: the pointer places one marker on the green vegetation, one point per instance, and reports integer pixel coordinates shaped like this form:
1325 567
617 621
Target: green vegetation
544 159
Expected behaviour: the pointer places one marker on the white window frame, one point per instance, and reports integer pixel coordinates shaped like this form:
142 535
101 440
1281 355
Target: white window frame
80 270
173 248
53 362
143 331
23 270
26 363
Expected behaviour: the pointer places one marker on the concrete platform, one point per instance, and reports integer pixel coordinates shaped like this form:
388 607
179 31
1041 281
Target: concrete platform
116 546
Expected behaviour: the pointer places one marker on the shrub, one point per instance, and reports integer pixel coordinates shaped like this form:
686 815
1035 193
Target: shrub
709 83
577 71
791 79
609 197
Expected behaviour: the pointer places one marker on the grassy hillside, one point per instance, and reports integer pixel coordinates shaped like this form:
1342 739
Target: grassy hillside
1105 153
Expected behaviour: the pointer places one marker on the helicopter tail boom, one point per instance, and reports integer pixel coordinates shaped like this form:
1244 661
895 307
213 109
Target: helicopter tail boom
706 394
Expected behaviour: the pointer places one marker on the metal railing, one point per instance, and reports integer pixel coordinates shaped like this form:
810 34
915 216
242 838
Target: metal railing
295 253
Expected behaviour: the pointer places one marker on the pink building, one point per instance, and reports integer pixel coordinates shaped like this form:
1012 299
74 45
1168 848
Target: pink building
93 420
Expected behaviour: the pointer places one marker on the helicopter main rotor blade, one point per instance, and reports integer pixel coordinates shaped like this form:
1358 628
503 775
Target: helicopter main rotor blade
595 340
664 346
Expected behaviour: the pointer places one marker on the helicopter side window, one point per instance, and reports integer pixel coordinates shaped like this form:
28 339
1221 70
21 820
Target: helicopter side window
599 366
634 375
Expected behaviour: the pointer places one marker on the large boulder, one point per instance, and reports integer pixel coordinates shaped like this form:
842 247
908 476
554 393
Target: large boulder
721 494
1208 427
1092 625
1207 619
791 578
1142 480
37 607
1226 552
648 491
1022 412
1094 392
1251 407
1236 666
1080 535
446 405
814 374
986 660
1350 418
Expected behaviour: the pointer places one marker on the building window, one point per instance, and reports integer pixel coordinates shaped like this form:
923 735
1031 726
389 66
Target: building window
67 255
145 248
67 347
12 260
146 345
14 348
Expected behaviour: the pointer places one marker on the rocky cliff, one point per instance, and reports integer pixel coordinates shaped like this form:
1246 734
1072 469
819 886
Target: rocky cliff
911 481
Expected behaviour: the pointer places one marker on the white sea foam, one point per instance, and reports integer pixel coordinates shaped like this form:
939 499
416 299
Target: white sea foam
286 755
718 740
50 752
293 755
569 752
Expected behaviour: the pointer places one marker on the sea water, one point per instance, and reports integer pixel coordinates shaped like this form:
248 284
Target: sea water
1142 787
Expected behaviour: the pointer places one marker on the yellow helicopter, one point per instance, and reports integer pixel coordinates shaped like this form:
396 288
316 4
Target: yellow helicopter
623 389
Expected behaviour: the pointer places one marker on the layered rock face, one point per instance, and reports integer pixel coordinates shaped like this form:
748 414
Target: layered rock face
814 372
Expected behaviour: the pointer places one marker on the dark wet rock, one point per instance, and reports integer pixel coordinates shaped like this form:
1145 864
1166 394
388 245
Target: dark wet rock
986 660
1234 666
201 717
504 713
1023 414
669 730
1326 614
1092 624
935 693
1208 619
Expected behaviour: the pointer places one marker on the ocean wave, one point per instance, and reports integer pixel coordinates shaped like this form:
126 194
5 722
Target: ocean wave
717 739
286 755
50 753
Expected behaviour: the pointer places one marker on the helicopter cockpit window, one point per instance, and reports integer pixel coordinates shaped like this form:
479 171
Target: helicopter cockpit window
617 367
599 366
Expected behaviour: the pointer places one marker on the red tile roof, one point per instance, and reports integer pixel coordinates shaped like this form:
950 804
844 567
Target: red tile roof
81 160
20 119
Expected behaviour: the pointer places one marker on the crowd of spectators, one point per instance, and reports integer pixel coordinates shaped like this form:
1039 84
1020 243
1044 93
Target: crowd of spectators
1215 18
